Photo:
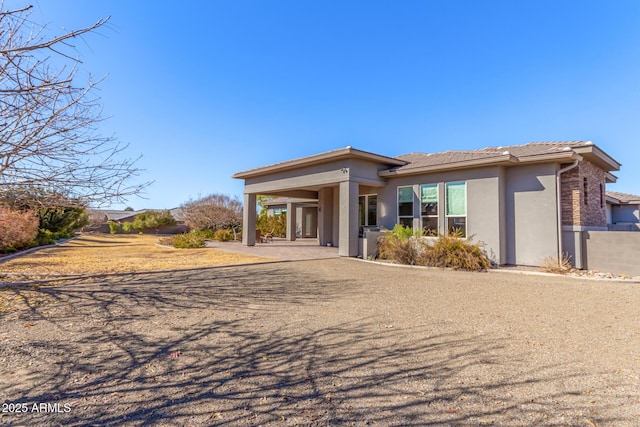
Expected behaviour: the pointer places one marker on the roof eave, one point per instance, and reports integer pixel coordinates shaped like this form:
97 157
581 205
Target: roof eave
595 155
550 157
341 153
505 159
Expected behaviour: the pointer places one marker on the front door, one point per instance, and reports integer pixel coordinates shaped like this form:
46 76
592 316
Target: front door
310 222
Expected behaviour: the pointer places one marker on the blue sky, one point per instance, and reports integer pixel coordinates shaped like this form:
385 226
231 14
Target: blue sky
203 89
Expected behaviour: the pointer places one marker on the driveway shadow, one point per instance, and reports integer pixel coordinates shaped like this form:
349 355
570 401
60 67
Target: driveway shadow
263 345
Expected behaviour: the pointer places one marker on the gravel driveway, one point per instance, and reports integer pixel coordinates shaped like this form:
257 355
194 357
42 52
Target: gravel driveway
324 342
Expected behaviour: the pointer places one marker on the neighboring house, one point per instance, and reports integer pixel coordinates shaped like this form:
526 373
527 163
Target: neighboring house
524 203
99 220
107 215
306 213
623 211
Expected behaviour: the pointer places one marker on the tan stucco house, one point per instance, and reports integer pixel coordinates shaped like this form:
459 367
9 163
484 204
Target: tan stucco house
523 202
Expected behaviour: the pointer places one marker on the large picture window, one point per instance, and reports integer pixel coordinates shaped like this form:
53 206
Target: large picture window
405 206
429 209
456 208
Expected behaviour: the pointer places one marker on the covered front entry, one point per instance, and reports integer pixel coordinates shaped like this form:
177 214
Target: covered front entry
335 179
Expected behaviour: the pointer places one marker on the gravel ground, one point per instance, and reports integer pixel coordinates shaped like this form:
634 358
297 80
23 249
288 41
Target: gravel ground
324 342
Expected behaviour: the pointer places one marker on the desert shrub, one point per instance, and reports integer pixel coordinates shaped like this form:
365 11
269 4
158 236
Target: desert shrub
153 219
402 245
406 246
223 235
18 229
114 227
126 227
457 253
189 240
206 234
552 264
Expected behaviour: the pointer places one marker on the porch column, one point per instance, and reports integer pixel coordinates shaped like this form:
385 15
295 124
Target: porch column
291 222
249 220
348 242
325 216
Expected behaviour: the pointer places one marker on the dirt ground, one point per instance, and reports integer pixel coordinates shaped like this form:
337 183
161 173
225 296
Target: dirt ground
106 253
325 342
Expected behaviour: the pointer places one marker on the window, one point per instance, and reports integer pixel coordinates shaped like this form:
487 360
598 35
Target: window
456 208
584 184
429 209
601 197
405 206
368 210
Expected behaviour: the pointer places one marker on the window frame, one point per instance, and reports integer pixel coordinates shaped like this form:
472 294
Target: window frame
366 212
413 202
437 210
446 206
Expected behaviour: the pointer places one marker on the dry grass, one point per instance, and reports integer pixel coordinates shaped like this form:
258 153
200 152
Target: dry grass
120 253
552 264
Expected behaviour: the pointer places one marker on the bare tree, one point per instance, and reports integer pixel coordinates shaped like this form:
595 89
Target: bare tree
49 141
212 212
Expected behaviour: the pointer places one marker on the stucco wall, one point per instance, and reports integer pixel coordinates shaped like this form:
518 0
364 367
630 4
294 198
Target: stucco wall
328 173
484 204
625 213
613 251
531 214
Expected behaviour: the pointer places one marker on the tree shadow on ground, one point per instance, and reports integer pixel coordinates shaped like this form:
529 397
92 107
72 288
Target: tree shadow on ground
249 346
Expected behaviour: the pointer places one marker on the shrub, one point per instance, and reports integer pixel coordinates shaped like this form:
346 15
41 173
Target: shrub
61 221
223 235
17 229
552 264
126 227
402 245
45 237
114 227
189 240
213 212
274 224
153 219
406 246
454 252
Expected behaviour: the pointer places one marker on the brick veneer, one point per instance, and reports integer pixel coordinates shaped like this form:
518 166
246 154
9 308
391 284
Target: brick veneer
574 209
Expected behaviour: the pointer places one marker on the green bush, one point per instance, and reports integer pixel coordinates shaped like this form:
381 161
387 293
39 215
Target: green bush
62 220
153 219
223 235
405 246
114 227
45 237
126 227
189 240
274 224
